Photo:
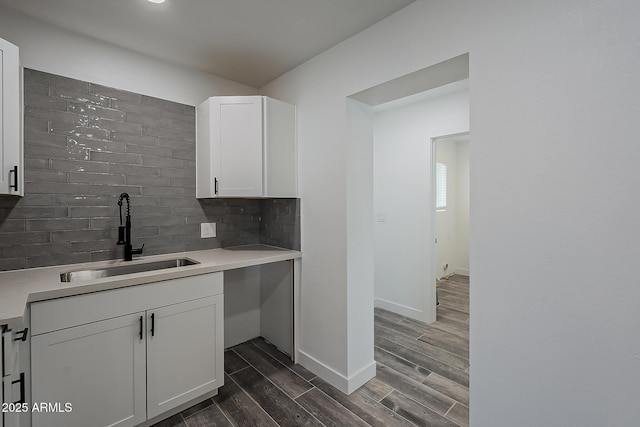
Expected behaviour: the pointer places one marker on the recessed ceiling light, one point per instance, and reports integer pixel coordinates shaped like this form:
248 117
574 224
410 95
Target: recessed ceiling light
156 1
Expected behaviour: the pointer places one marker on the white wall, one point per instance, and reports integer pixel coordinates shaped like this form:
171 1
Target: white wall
554 229
446 246
404 267
58 51
461 260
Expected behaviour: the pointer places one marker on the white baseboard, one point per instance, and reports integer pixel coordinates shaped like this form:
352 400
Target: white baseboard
399 308
346 385
462 271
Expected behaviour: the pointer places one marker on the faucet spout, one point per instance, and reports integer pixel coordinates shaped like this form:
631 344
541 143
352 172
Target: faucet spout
124 231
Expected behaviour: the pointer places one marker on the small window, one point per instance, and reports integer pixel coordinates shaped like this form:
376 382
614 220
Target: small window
441 186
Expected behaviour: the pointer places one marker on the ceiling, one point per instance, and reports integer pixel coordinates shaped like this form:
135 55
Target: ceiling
248 41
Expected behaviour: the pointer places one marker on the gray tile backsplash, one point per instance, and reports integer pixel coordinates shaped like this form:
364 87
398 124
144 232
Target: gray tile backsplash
85 144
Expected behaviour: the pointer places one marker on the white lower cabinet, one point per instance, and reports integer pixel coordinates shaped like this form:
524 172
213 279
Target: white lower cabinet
15 377
98 369
127 368
184 353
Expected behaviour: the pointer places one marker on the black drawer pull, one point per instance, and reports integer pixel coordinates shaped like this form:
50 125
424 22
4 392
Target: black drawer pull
141 319
153 324
15 176
21 381
23 334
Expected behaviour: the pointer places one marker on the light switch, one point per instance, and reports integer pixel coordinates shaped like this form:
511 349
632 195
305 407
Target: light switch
207 229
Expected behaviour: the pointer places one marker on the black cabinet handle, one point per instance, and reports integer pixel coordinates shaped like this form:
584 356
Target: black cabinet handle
141 330
153 324
21 381
215 185
23 337
15 177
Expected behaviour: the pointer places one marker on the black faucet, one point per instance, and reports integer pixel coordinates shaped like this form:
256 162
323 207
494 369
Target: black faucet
124 231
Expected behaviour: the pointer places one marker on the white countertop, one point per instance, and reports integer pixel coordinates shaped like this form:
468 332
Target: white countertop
20 287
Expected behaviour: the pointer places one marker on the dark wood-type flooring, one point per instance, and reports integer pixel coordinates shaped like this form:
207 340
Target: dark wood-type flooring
422 378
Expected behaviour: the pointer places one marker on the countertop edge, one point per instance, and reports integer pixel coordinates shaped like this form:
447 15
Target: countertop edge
20 300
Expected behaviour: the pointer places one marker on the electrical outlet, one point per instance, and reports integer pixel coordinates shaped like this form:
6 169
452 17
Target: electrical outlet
207 230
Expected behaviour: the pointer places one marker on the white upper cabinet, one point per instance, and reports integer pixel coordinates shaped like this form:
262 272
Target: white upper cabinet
11 178
246 147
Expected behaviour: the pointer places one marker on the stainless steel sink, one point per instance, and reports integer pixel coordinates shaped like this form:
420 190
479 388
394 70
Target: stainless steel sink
118 270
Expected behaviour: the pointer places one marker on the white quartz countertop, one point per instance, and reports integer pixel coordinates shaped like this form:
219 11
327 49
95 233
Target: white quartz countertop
20 287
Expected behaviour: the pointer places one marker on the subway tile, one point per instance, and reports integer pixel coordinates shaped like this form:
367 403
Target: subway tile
135 139
177 144
162 104
79 96
95 144
131 107
77 130
147 120
104 139
185 126
43 151
54 80
55 187
79 166
34 249
96 178
163 191
36 200
11 225
112 93
38 212
36 164
53 115
93 246
12 264
34 175
92 211
142 210
35 87
57 259
39 125
168 133
106 255
25 238
80 200
184 154
44 102
183 182
163 162
110 223
125 158
95 111
163 220
148 150
57 224
202 244
146 181
134 170
34 137
192 230
173 172
114 190
80 235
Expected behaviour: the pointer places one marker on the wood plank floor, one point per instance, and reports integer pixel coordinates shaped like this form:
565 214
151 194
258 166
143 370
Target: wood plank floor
422 378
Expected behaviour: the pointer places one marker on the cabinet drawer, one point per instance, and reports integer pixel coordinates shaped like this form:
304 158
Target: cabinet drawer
61 313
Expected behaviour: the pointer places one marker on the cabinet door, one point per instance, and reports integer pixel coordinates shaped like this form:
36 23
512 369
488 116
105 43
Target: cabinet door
97 368
185 350
11 179
236 136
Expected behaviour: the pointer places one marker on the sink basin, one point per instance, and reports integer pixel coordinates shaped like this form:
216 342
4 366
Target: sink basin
97 273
